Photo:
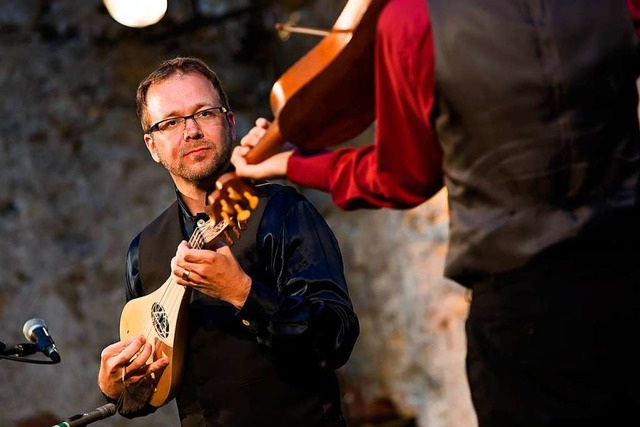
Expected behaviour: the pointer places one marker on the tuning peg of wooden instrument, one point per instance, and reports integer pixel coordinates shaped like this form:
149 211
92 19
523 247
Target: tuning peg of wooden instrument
253 200
242 214
225 216
226 207
236 230
233 194
227 238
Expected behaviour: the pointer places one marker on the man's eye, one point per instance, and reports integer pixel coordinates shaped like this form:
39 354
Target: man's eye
168 124
204 114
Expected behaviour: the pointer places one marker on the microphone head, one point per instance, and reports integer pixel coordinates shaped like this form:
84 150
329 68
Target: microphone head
29 328
35 330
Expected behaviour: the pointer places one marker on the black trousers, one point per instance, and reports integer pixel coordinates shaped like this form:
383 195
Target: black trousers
556 346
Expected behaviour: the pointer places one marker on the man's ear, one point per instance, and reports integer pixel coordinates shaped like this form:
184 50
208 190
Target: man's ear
151 146
231 119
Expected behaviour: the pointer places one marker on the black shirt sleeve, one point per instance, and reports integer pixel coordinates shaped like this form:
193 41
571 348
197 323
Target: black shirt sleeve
302 307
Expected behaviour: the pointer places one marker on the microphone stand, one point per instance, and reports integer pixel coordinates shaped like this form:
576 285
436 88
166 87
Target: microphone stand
97 414
19 352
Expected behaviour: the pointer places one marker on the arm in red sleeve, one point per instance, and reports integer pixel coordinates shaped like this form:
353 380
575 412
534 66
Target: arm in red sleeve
402 168
634 11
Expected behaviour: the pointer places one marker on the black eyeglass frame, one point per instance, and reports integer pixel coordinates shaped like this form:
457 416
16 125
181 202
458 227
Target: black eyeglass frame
156 127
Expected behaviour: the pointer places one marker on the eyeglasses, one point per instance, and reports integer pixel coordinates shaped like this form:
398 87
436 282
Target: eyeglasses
210 116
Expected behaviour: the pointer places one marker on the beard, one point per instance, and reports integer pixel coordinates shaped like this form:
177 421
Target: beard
203 171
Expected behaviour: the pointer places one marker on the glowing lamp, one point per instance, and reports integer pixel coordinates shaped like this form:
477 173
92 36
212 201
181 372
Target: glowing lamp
136 13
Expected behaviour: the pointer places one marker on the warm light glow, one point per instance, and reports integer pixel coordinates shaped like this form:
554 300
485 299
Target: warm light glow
136 13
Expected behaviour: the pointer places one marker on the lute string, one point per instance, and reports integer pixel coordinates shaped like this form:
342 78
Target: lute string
173 293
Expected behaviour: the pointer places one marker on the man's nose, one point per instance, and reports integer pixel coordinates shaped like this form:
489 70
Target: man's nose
192 128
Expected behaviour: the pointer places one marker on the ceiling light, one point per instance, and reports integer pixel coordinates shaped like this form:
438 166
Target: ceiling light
136 13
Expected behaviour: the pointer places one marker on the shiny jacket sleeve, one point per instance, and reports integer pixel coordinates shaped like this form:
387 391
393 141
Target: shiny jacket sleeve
300 306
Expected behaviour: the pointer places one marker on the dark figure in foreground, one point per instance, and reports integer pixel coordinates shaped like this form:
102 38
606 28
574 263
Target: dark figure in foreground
526 111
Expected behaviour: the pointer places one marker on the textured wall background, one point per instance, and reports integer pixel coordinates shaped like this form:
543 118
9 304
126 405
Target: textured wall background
77 184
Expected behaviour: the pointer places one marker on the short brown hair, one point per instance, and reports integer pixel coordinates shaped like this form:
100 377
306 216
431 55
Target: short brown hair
169 68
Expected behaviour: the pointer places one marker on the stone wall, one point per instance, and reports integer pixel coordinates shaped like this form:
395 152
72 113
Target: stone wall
77 184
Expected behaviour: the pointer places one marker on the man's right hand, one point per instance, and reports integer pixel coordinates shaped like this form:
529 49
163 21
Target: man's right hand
125 361
273 167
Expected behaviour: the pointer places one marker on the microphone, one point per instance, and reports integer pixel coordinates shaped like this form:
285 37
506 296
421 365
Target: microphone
35 330
97 414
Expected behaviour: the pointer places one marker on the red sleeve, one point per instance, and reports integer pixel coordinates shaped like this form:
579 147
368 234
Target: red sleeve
634 11
402 168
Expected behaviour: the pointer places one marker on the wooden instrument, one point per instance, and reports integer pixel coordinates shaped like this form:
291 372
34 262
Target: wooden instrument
162 315
327 97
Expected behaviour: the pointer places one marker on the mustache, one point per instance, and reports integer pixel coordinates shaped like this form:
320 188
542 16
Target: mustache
196 146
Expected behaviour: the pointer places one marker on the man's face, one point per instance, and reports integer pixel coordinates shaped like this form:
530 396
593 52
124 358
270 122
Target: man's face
196 152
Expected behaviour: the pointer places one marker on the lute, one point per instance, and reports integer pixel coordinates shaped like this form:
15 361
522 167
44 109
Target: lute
162 315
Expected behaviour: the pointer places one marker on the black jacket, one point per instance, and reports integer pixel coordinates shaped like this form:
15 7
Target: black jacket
537 117
271 362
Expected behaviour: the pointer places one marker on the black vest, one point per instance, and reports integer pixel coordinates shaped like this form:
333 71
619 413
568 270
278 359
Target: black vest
230 379
537 117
